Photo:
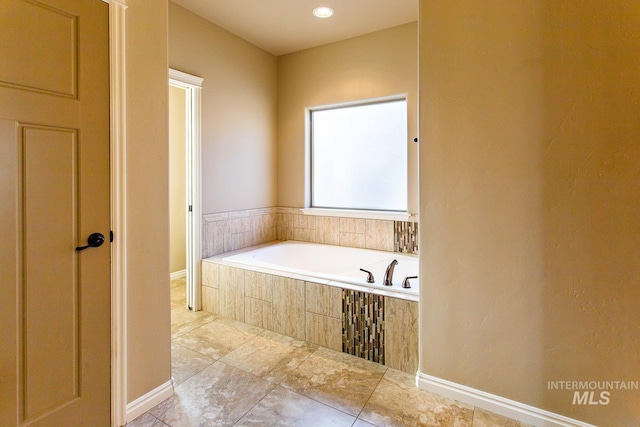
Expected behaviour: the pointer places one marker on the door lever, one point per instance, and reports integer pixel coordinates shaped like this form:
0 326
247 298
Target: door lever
94 240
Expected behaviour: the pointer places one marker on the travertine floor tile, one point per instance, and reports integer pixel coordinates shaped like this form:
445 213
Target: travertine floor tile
482 418
271 356
340 380
183 320
335 386
282 407
185 363
398 402
219 395
218 337
178 293
362 423
146 420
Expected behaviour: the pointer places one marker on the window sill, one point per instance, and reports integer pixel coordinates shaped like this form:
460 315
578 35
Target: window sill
345 213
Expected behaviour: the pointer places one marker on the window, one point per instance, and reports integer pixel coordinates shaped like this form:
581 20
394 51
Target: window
359 156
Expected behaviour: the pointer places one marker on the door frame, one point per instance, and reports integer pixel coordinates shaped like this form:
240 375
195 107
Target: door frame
192 85
118 187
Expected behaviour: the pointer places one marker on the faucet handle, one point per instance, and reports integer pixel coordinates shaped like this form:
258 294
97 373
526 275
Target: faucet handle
405 282
370 278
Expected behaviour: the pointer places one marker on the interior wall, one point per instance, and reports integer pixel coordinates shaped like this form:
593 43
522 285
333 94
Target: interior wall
177 179
238 111
375 65
530 203
148 323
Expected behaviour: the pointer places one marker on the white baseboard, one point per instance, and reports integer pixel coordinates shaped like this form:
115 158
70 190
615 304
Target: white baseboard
178 274
149 400
499 405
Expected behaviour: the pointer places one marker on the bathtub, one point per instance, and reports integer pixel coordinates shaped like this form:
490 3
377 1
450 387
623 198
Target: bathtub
332 265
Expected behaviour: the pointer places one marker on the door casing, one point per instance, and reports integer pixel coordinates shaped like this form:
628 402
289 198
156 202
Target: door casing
117 69
192 86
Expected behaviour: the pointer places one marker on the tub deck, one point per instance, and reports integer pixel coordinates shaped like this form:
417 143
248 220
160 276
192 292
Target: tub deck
329 265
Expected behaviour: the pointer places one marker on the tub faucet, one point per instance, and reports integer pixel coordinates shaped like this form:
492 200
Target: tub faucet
388 275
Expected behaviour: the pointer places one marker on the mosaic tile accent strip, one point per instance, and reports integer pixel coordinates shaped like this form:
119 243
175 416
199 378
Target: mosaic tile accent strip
406 237
363 325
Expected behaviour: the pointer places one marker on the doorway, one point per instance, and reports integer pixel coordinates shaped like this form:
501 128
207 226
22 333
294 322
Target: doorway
187 90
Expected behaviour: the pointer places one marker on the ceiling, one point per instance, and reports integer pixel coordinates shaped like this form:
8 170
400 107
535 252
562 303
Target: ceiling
285 26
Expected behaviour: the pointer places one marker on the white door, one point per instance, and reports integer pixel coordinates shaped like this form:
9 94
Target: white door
54 193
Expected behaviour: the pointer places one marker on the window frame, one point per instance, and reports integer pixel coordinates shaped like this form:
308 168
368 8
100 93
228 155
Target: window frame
311 208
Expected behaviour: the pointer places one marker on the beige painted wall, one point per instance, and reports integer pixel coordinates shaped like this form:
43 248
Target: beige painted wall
379 64
530 199
238 111
147 168
177 179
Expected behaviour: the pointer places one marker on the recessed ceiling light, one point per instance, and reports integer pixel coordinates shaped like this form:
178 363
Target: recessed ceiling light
323 12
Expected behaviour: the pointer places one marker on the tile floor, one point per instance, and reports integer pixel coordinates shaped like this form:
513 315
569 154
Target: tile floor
227 373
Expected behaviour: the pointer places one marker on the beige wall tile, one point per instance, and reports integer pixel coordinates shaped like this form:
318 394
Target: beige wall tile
352 225
258 313
210 275
328 230
221 216
267 315
401 334
304 234
289 307
210 300
229 231
263 228
284 226
240 224
206 298
379 235
304 221
253 312
231 293
288 210
239 294
261 211
323 299
258 285
354 240
266 286
224 273
251 286
324 331
226 295
213 242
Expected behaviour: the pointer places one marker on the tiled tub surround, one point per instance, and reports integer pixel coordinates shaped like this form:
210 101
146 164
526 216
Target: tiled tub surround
230 231
303 308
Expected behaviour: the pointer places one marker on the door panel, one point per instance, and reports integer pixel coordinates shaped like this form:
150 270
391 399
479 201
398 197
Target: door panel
47 62
50 272
54 192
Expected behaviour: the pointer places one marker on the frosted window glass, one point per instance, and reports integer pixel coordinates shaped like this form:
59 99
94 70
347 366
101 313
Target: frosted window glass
359 157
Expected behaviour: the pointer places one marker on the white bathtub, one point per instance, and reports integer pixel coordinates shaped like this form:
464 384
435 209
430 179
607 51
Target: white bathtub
333 265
